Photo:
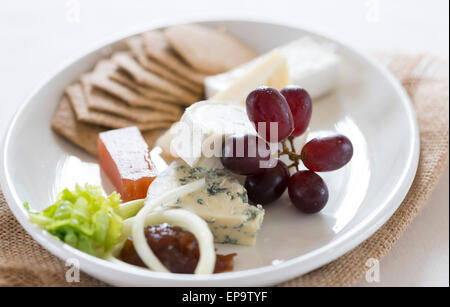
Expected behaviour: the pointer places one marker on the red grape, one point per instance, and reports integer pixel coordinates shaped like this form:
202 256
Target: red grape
242 154
269 185
327 153
301 107
267 105
307 191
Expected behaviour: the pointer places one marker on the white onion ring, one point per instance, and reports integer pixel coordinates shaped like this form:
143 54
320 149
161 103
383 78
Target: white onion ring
186 220
177 217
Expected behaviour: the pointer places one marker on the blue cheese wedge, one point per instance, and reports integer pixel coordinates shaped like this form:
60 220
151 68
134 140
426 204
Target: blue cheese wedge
222 203
311 65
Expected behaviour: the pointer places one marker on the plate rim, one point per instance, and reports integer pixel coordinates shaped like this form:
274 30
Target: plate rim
266 275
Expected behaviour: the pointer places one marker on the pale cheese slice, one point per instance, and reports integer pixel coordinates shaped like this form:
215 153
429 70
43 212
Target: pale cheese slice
271 70
312 65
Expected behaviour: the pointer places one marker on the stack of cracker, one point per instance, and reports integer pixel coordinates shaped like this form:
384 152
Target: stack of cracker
148 85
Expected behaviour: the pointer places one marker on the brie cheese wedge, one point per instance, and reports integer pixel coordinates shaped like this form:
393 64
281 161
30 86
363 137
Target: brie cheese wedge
202 127
222 203
311 65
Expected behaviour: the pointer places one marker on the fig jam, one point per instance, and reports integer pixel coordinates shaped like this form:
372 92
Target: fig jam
176 248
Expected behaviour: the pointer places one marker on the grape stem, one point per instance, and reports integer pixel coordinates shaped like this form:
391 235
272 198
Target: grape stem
294 157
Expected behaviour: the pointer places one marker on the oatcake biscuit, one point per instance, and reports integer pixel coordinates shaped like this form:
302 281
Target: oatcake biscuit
100 80
123 78
113 72
208 49
64 122
98 100
137 49
82 112
156 47
126 62
84 135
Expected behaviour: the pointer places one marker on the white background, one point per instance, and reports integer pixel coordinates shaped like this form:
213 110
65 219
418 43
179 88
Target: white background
37 37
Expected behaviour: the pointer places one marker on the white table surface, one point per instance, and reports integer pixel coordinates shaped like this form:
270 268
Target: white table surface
37 37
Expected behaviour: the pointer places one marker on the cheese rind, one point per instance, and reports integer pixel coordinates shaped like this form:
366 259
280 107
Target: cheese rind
311 65
222 203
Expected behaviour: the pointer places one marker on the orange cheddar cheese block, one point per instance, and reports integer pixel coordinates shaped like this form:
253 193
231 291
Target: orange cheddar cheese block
124 156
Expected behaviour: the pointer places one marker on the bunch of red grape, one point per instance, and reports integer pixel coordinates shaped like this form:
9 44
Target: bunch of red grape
291 109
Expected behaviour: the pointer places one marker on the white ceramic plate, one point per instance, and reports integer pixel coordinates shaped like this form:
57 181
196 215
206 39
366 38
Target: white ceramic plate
369 106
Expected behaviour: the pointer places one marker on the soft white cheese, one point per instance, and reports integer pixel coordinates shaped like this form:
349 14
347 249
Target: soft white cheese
222 202
202 127
311 65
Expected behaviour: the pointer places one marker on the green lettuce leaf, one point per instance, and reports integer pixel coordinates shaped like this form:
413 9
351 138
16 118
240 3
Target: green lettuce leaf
83 218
